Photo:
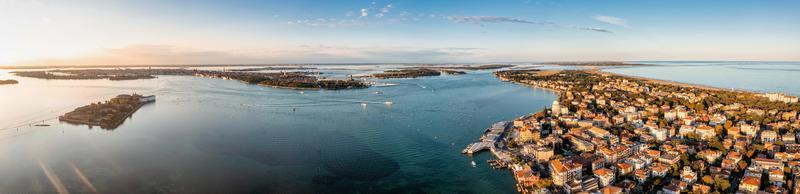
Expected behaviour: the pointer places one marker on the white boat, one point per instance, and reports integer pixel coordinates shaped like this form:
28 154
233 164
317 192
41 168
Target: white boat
388 103
378 84
378 92
364 104
474 164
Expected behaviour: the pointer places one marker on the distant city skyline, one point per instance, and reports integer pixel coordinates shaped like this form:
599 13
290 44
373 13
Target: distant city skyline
42 32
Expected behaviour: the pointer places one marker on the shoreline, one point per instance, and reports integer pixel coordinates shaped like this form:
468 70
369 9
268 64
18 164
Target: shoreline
667 82
522 184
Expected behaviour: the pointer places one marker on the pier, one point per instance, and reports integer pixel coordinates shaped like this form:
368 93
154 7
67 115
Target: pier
476 147
488 140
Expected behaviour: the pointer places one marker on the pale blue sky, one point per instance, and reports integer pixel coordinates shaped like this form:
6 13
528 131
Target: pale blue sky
232 32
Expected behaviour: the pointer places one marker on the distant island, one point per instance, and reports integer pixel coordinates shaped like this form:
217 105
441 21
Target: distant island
610 133
109 114
293 80
596 64
8 82
273 68
431 70
415 72
466 67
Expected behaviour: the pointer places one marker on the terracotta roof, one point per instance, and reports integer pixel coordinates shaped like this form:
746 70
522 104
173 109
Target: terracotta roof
653 152
558 166
705 128
751 181
623 165
604 172
610 190
658 167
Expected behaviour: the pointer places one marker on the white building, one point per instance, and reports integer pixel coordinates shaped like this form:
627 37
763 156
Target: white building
556 108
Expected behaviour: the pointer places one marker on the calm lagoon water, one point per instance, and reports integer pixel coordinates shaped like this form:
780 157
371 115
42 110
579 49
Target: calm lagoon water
221 136
782 77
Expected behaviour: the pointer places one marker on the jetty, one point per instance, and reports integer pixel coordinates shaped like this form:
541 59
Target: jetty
489 139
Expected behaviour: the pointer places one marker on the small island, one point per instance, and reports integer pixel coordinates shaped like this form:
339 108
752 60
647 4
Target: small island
8 82
109 114
293 80
407 73
274 68
452 72
415 72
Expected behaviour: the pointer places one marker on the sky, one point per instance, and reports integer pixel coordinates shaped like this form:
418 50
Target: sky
82 32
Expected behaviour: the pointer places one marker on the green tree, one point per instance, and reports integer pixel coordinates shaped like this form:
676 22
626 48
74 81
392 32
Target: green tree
722 184
708 180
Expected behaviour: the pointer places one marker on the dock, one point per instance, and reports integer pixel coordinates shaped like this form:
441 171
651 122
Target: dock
476 147
488 139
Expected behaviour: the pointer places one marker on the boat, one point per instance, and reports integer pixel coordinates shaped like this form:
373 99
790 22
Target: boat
364 104
388 103
474 164
378 92
379 84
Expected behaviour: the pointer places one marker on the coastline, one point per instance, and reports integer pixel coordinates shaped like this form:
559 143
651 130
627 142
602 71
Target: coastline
523 183
667 82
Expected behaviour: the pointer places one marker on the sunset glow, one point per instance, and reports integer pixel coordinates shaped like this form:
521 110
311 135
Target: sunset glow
42 32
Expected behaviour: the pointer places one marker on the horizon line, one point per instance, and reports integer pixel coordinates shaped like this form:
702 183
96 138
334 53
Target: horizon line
365 63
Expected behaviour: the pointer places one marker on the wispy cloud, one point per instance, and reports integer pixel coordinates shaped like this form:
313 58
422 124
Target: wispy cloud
591 29
493 19
385 10
328 22
480 20
612 20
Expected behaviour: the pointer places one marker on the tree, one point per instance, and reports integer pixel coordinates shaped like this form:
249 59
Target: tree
742 165
722 184
717 145
544 183
708 180
693 136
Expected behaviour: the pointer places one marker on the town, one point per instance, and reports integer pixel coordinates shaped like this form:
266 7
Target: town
608 133
109 114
